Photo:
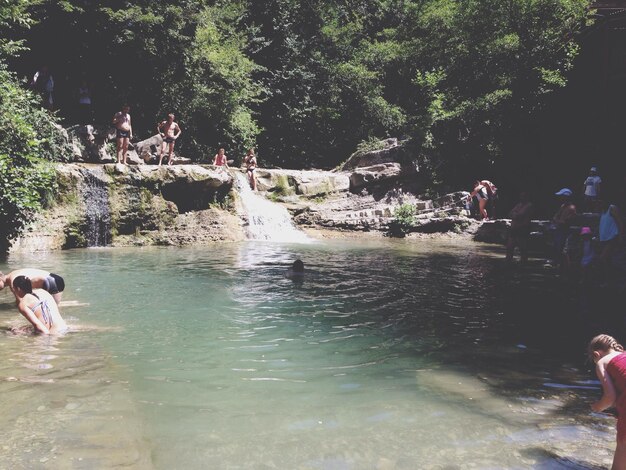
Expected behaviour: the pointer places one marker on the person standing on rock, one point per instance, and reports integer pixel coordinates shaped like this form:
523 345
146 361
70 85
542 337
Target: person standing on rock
123 132
480 192
170 131
250 162
591 188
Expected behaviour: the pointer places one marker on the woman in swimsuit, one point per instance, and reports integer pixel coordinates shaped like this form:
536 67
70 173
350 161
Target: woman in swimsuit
250 161
610 361
38 307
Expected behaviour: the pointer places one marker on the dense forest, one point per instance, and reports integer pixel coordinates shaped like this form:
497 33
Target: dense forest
307 82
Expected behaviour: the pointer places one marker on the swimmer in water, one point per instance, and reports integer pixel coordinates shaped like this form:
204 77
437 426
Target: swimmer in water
38 307
296 271
40 279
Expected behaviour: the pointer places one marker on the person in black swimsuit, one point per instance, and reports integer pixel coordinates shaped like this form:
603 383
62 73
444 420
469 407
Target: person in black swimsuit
250 161
170 131
40 279
123 132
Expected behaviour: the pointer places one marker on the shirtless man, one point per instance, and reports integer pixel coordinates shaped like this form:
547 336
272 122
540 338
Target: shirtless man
220 159
123 133
170 131
40 279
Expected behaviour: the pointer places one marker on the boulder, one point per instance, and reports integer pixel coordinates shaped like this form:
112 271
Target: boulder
309 183
149 148
390 150
374 174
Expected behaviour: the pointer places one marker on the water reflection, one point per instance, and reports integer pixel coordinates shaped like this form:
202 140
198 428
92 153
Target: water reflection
389 355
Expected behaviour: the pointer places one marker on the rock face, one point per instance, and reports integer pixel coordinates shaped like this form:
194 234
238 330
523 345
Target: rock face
142 204
112 204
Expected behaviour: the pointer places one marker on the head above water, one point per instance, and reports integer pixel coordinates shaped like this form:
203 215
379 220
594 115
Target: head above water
602 344
23 283
298 266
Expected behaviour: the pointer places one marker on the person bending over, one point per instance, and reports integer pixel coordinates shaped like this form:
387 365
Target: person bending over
40 279
38 307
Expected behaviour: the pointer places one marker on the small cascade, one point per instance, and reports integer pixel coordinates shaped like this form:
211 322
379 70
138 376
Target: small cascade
95 193
267 220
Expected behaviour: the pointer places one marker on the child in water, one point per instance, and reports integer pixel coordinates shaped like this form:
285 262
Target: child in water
610 361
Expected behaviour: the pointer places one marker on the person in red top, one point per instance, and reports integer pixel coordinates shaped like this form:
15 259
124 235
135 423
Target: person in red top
610 361
220 159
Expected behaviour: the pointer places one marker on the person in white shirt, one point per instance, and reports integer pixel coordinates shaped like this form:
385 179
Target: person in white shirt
591 189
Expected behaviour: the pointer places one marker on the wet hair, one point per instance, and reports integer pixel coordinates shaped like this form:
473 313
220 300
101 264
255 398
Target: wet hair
298 266
603 343
23 283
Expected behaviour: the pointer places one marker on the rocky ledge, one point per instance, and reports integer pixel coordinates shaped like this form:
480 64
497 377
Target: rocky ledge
115 205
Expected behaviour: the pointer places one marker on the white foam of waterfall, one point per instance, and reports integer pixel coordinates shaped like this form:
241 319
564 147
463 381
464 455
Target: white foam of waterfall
267 220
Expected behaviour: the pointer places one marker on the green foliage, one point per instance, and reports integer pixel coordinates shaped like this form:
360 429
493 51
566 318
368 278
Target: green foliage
308 81
28 144
403 220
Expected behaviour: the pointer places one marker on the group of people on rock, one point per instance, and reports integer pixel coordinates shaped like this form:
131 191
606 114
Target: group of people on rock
170 131
220 159
579 247
37 295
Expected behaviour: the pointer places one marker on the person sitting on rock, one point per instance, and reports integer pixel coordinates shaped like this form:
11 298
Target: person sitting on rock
220 159
40 279
170 131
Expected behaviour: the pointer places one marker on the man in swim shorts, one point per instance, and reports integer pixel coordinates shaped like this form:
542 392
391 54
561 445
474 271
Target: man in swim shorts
123 132
40 279
170 131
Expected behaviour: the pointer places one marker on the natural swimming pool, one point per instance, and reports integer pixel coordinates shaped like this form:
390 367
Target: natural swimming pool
389 355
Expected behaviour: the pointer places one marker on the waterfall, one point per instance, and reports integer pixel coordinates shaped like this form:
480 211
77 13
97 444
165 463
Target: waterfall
95 193
267 220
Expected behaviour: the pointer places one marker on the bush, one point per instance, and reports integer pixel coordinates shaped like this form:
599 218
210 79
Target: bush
403 220
30 141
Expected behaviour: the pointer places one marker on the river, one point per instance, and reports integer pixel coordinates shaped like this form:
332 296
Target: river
386 355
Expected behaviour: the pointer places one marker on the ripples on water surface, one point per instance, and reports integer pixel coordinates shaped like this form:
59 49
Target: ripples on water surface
394 355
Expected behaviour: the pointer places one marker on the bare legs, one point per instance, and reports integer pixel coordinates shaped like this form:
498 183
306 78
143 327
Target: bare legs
170 154
252 180
122 149
482 207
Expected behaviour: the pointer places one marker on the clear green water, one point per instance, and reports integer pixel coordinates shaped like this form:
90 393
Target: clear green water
389 355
